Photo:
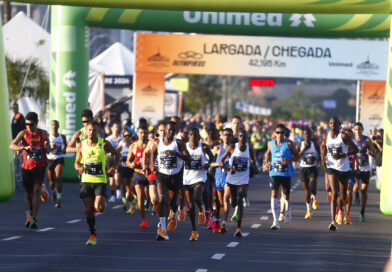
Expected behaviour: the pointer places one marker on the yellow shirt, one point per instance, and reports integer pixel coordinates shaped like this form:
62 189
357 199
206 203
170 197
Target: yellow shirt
94 159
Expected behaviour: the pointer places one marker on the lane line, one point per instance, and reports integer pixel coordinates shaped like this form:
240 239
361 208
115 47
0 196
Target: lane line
12 238
218 256
45 229
245 234
98 213
255 226
117 207
74 221
264 217
201 270
269 211
232 244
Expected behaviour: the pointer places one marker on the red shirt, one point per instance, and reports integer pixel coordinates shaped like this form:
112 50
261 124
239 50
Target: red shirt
35 158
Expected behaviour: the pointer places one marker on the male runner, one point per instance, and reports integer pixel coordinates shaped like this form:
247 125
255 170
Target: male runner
92 151
80 135
241 156
334 155
366 148
34 143
279 158
309 153
114 139
58 144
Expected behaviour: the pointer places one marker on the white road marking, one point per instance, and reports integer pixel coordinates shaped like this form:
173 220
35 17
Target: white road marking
264 217
245 234
255 226
98 213
12 238
45 229
218 256
201 270
232 244
74 221
117 207
269 211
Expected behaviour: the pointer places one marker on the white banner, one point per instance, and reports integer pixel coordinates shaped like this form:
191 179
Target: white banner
245 107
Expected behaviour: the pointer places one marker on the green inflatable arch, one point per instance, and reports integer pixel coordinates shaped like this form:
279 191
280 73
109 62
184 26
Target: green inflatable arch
70 39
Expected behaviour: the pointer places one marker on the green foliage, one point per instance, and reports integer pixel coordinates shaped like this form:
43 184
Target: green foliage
36 84
203 90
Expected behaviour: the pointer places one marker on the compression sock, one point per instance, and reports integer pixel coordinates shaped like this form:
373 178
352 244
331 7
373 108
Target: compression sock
162 220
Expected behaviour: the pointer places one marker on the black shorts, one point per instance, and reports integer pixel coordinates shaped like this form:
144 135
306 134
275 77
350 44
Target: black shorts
234 193
364 177
53 163
32 177
173 182
306 173
209 182
140 179
125 172
342 176
192 186
89 189
276 181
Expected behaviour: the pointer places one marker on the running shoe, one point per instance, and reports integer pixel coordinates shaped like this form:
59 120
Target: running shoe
329 196
125 204
287 216
308 214
28 221
44 193
348 218
217 226
118 194
92 241
194 236
238 232
207 218
181 215
211 225
161 234
281 217
362 217
144 224
58 203
112 199
340 217
275 226
315 204
170 214
235 216
33 224
223 228
246 202
172 225
332 226
131 209
201 218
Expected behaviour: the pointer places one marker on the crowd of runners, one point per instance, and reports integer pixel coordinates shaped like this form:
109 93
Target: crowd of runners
177 168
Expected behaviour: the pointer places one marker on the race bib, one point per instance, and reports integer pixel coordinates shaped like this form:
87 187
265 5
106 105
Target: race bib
194 164
240 164
93 168
35 154
57 150
168 162
335 149
363 159
309 159
280 168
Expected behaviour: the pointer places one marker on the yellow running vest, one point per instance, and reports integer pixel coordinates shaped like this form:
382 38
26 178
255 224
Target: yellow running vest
94 159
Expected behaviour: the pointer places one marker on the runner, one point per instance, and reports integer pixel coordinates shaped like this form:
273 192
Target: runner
125 173
366 148
241 156
134 161
195 176
279 158
114 139
220 178
334 155
34 143
309 153
93 152
58 144
170 151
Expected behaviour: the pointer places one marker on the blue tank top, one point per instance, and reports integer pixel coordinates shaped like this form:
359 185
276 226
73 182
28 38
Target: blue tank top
362 157
277 153
220 173
114 142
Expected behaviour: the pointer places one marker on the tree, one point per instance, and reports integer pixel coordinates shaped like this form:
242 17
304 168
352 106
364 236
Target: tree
36 83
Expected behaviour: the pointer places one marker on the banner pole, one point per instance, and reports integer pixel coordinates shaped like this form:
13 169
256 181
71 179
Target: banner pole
358 101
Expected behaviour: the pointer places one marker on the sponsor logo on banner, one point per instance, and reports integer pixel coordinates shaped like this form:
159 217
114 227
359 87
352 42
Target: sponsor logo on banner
368 68
189 58
149 91
158 60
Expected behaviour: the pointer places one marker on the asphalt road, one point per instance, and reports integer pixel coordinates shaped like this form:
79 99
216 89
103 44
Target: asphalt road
302 245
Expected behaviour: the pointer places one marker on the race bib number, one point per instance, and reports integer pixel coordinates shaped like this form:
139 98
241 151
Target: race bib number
93 168
310 159
363 159
35 154
240 164
280 168
57 150
335 149
194 164
168 162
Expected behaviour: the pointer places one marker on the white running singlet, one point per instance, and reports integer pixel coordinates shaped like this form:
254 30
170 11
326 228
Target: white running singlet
240 161
309 157
124 154
168 165
194 170
335 146
57 152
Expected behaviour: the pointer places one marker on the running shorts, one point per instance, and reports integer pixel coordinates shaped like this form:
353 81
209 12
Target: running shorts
173 182
276 181
364 177
89 189
125 172
219 183
32 177
53 163
140 179
306 173
192 186
342 176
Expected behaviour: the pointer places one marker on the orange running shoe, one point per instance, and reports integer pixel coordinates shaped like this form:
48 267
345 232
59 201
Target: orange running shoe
162 234
92 241
223 228
201 218
181 215
308 214
170 214
172 225
28 220
238 232
194 236
44 193
315 204
144 224
340 217
348 218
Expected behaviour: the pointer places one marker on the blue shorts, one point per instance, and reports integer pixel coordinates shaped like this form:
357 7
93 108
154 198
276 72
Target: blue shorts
219 183
276 181
351 179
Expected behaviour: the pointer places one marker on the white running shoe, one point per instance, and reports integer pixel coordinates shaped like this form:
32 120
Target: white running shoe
246 202
287 216
112 199
118 194
275 226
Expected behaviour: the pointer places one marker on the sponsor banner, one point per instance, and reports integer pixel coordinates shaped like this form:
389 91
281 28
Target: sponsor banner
118 81
148 96
261 56
248 108
372 104
171 108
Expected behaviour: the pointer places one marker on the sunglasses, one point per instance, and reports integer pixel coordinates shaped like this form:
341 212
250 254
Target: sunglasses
227 134
84 122
279 132
127 135
29 124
